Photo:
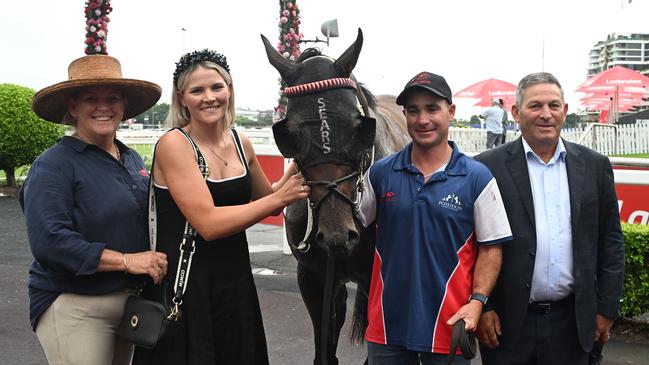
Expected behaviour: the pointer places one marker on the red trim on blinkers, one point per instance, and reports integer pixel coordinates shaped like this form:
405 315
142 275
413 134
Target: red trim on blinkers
328 84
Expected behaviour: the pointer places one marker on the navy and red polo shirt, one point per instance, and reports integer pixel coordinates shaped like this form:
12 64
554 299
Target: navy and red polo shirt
427 244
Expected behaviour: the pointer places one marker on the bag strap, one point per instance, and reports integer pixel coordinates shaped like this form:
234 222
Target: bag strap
188 244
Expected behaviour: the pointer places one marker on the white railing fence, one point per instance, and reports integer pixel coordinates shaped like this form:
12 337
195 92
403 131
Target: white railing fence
621 139
608 139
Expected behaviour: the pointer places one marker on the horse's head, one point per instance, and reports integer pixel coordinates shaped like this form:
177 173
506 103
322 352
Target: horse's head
327 135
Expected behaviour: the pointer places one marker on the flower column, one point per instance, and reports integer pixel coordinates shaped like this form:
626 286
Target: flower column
97 26
288 46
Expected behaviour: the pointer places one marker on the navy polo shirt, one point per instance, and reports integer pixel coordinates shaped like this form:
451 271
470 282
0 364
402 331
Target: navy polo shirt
78 200
427 244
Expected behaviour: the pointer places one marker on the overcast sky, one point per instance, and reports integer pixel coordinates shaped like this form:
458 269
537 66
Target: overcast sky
464 40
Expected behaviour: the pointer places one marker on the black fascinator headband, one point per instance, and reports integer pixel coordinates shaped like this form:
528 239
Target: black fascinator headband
190 59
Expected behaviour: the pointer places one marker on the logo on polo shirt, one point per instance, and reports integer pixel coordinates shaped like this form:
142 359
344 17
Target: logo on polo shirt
451 201
143 172
387 197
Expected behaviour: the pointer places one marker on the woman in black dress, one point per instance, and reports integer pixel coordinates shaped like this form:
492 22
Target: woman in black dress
221 320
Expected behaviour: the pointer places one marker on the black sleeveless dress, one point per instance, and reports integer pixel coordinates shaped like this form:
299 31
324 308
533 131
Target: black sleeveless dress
221 320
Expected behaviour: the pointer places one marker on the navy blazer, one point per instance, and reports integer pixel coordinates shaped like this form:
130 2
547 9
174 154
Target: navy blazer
597 242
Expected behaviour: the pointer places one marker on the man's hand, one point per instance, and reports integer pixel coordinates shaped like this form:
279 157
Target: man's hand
470 312
489 329
602 328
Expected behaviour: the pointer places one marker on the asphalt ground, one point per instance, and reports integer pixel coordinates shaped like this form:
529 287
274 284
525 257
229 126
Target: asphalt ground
288 328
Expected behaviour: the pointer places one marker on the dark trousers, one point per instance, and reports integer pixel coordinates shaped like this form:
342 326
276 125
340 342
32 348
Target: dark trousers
494 139
546 339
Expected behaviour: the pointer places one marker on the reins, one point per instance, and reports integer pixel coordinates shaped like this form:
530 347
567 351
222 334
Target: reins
332 190
332 186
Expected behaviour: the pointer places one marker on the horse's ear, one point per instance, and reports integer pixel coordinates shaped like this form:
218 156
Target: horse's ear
285 67
347 61
287 141
364 133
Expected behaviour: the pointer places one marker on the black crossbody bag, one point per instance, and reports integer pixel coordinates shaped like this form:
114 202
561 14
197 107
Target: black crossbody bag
150 320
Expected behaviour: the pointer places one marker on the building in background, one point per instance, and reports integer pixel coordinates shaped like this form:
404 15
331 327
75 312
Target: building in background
628 50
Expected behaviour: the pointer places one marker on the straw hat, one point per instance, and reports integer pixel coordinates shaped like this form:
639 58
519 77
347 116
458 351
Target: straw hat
50 103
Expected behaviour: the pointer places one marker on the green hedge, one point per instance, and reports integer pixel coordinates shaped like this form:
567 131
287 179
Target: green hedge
635 296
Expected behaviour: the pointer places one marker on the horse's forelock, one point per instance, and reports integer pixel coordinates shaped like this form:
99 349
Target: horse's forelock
308 53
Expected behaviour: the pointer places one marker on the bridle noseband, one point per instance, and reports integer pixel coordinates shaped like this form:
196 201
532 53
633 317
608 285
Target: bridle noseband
331 187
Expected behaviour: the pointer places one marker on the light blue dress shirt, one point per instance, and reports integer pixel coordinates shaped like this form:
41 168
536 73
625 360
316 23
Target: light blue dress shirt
553 279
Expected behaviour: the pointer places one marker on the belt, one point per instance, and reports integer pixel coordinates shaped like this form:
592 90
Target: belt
548 306
464 340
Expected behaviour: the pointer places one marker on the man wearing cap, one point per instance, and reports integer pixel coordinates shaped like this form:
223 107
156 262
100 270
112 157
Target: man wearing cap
493 123
440 222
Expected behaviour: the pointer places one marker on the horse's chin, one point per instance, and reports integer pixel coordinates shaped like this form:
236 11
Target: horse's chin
338 251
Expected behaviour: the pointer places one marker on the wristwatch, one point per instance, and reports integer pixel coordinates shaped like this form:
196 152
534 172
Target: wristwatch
479 297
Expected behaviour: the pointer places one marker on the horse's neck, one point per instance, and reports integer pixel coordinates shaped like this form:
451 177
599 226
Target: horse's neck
391 133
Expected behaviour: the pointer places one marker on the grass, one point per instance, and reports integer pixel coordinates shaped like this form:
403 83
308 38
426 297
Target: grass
21 174
635 155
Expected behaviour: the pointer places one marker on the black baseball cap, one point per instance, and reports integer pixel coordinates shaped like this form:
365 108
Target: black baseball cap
427 81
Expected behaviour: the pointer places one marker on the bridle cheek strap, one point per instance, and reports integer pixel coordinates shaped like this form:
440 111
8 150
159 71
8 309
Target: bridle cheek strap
332 186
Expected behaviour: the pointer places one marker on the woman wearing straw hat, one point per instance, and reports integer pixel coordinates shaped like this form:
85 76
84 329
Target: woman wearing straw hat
85 206
221 319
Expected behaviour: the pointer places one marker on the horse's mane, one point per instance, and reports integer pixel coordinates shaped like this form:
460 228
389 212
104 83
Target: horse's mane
308 53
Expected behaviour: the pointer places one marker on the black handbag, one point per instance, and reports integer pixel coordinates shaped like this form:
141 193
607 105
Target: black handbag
150 320
147 323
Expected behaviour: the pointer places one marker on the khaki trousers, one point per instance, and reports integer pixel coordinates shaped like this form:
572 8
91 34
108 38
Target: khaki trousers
80 329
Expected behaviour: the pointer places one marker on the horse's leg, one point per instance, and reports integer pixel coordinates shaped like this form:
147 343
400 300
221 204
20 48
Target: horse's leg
339 312
312 289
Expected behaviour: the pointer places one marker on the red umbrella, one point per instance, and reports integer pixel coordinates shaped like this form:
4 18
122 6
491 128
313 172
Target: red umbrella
610 95
623 87
508 102
608 105
617 78
488 90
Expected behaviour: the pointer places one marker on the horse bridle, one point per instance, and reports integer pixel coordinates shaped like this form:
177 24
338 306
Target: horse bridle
331 187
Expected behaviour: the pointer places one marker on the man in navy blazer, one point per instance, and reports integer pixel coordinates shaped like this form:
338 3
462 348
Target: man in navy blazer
561 278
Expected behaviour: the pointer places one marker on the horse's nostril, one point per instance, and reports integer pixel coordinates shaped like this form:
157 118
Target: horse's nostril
352 237
320 237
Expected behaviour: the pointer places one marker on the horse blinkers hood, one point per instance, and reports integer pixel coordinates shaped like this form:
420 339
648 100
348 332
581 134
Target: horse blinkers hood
327 133
325 141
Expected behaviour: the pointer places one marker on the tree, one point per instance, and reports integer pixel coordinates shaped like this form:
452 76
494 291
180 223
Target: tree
23 135
244 121
572 121
154 116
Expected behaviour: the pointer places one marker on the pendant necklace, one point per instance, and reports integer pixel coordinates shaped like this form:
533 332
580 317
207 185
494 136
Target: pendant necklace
217 155
225 162
117 153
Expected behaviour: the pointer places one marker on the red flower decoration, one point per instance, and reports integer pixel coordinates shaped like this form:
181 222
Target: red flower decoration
289 44
96 12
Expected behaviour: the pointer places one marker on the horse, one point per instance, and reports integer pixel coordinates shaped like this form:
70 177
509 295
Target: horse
333 140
